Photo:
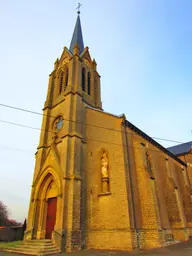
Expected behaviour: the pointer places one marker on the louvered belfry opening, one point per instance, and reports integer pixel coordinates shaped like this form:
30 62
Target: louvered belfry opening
89 83
61 83
66 77
83 79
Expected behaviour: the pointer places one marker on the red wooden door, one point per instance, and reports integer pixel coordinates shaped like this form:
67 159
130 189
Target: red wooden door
51 216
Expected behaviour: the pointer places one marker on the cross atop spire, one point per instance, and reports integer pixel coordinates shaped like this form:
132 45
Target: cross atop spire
78 8
77 37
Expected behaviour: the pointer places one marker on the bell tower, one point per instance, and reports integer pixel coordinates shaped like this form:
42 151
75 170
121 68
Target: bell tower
75 73
55 204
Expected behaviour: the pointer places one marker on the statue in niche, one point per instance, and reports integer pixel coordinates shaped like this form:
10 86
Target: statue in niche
104 173
104 165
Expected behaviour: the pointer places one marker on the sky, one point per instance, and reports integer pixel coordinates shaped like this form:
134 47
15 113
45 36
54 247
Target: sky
143 50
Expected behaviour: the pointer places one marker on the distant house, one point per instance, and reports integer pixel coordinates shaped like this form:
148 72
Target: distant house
11 233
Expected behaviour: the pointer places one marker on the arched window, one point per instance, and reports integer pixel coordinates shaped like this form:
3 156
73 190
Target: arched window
89 83
83 79
61 83
66 77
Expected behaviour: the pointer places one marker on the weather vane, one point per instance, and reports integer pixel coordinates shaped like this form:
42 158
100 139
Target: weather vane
78 8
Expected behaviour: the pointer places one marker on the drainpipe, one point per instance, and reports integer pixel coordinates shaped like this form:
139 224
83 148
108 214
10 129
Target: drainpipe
131 184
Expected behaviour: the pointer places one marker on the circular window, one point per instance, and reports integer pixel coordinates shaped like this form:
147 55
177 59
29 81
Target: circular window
58 124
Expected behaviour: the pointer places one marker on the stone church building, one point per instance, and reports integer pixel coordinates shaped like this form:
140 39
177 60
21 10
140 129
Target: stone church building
99 181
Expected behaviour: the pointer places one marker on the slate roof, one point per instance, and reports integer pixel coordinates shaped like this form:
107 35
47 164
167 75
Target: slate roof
181 149
77 37
155 143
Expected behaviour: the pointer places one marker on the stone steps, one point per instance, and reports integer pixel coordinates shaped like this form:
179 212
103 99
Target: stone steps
41 241
34 247
37 244
35 253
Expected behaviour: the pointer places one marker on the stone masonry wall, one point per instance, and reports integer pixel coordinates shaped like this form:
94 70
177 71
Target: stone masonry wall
108 220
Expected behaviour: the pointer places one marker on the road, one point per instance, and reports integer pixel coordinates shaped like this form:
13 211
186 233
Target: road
179 249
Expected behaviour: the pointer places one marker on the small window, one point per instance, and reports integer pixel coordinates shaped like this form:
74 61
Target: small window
61 83
83 79
89 83
66 77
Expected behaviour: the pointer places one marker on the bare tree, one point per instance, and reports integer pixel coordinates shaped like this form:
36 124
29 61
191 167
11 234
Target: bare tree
3 214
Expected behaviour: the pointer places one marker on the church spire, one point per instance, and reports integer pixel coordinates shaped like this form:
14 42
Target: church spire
77 36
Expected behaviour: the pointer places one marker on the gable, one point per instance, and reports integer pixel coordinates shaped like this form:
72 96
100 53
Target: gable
51 160
85 55
65 57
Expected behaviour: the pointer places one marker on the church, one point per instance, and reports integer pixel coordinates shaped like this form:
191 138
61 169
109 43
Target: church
99 181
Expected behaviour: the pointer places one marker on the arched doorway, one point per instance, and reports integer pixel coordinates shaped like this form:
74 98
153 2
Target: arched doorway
51 199
45 208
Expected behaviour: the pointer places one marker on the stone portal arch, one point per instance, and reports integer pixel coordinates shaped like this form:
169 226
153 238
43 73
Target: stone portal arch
46 193
41 182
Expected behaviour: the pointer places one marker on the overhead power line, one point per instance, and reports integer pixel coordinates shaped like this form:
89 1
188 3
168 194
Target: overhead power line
87 139
42 114
16 149
24 126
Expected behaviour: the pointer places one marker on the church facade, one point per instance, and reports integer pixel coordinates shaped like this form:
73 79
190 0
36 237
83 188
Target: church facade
99 181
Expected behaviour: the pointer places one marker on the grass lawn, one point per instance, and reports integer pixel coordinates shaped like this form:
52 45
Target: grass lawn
4 245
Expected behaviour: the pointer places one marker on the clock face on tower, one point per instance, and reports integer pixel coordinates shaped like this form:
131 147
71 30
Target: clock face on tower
58 124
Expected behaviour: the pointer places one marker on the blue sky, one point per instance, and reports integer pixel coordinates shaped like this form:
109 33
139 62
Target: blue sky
144 56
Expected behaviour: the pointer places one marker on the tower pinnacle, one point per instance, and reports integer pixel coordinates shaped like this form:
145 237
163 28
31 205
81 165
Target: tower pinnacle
77 37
